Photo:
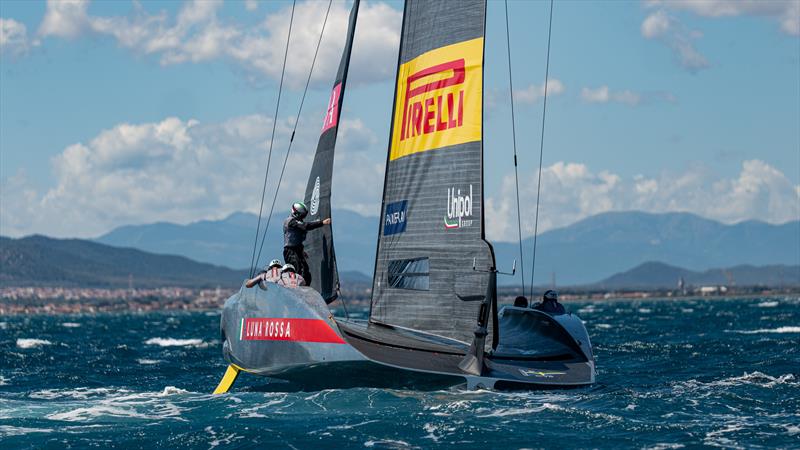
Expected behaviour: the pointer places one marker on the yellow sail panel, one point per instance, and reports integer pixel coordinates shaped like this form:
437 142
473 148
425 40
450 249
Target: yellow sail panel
439 99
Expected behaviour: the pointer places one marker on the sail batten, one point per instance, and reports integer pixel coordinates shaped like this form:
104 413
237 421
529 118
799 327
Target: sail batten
432 218
319 243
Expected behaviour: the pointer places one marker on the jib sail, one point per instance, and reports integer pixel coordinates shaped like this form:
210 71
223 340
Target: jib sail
432 216
319 243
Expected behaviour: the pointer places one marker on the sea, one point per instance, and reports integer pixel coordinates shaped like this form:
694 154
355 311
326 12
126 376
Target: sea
670 374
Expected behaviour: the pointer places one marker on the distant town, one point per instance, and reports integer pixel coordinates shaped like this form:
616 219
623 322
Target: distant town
74 300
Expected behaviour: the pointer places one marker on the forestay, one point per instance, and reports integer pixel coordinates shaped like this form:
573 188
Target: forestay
432 215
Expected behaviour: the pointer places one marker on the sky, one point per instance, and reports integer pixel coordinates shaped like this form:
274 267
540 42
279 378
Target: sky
117 113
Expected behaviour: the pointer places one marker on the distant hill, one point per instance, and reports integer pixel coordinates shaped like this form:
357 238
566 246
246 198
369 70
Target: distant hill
602 245
229 242
654 275
584 252
42 261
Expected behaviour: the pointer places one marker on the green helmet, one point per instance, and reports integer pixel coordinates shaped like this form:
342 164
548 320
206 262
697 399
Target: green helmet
299 210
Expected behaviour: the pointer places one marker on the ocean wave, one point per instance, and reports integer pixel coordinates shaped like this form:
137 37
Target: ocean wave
172 342
603 326
140 405
70 325
769 304
387 443
3 381
74 394
146 362
753 378
32 343
779 330
8 430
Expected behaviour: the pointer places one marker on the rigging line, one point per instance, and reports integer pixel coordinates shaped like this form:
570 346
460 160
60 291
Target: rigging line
541 147
296 121
271 140
514 138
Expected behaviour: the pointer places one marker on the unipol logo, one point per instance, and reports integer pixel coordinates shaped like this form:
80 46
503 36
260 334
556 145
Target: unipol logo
427 108
315 198
332 114
459 208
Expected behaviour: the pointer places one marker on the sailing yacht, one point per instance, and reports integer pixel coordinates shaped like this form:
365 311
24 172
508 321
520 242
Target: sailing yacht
433 316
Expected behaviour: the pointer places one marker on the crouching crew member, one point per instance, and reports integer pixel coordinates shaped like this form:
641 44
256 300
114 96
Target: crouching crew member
290 278
271 273
549 303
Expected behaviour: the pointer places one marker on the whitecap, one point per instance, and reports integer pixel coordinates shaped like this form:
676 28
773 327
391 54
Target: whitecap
8 430
389 443
147 362
171 342
70 325
32 343
770 304
3 381
645 310
779 330
604 326
78 393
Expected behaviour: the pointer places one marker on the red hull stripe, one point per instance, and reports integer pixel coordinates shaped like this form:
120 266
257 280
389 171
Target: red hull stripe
281 329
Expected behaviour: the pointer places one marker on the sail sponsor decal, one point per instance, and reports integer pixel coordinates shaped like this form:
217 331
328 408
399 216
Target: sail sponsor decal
459 208
315 198
439 99
332 113
395 218
282 329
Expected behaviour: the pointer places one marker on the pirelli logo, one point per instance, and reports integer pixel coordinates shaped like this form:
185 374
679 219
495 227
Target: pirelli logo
439 99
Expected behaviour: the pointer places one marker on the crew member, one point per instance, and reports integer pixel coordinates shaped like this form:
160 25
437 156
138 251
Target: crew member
271 273
549 303
294 233
521 302
290 278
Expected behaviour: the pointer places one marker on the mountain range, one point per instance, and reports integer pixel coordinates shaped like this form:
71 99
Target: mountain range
592 249
43 261
656 275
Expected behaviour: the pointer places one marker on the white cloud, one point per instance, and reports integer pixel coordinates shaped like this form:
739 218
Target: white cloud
785 12
250 5
534 92
198 34
181 171
13 37
604 95
659 25
65 18
571 192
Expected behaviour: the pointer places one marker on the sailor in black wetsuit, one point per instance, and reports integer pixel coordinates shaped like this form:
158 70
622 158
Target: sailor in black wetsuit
549 303
294 233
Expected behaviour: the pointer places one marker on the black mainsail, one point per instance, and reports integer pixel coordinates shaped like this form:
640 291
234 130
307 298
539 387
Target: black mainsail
319 243
432 228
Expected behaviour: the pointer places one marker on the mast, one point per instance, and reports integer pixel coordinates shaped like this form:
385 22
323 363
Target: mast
319 243
432 227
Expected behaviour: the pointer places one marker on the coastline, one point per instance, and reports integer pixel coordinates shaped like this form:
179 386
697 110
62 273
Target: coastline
66 301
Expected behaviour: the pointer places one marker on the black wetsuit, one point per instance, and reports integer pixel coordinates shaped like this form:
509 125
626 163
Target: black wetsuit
550 306
294 233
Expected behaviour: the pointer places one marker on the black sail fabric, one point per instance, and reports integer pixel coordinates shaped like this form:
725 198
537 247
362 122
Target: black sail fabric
319 243
432 214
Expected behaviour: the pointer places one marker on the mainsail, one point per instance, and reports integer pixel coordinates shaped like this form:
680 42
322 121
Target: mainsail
319 243
432 229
